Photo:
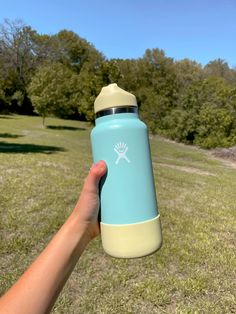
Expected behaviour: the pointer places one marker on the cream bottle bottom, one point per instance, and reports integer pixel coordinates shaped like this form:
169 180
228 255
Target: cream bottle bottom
132 240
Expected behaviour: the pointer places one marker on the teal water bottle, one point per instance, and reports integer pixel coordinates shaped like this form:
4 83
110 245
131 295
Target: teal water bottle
130 222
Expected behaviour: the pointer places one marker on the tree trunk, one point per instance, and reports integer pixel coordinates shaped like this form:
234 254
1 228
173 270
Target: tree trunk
43 120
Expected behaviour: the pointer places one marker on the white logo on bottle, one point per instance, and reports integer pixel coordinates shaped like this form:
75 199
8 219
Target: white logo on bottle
121 150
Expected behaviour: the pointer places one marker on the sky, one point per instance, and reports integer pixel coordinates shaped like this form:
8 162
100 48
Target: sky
202 30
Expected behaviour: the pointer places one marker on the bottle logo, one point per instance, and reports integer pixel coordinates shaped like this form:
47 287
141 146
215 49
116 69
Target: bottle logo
121 149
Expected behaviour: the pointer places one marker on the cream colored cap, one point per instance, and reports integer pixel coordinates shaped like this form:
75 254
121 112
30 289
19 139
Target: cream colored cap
113 96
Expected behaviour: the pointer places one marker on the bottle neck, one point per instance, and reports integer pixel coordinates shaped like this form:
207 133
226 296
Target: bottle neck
116 110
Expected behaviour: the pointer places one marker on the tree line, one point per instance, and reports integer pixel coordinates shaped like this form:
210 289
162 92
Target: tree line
62 74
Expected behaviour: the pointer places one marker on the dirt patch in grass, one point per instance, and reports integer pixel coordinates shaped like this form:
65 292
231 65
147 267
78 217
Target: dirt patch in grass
188 169
227 155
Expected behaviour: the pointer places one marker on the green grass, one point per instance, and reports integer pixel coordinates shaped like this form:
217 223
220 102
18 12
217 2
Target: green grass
41 173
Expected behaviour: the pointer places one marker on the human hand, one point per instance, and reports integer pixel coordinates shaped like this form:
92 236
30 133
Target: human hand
88 204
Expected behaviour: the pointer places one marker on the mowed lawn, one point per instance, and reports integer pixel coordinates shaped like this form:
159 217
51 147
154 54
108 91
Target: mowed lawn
41 174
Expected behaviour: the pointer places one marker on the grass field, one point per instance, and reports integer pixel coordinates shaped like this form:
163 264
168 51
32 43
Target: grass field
41 174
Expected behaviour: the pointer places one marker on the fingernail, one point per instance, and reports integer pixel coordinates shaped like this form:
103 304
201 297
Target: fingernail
99 166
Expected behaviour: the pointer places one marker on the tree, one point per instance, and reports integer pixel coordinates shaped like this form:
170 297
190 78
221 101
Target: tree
187 71
215 128
68 48
23 51
3 101
157 92
128 74
220 68
205 114
17 51
55 90
84 67
76 51
17 57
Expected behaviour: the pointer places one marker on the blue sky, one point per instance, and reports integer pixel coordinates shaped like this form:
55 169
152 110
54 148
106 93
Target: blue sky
198 30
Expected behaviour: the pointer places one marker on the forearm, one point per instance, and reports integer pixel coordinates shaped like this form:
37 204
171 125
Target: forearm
37 289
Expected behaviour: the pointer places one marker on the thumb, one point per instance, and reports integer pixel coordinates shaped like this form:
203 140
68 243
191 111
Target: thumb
96 172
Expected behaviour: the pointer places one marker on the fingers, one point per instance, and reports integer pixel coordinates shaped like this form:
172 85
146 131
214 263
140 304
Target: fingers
96 172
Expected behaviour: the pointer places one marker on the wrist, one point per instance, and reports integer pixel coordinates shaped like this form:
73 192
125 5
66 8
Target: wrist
78 230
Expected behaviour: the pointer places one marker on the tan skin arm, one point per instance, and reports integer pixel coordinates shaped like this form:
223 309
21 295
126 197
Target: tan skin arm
38 288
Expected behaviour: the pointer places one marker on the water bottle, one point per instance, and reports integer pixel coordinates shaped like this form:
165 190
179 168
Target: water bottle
130 222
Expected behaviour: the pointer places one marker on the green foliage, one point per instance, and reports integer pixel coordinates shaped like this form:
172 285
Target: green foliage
18 96
220 68
153 109
55 90
62 74
181 125
205 114
215 127
186 72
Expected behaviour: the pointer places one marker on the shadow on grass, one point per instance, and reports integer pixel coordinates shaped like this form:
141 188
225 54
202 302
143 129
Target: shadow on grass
64 127
9 135
28 148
